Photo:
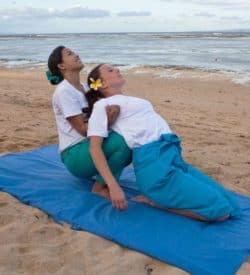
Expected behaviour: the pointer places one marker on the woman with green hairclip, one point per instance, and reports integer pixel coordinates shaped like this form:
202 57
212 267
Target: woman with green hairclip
69 103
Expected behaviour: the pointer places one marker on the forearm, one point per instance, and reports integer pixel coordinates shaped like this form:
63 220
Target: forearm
102 165
83 129
117 195
79 124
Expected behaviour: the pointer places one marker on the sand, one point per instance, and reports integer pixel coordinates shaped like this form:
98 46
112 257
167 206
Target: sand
208 110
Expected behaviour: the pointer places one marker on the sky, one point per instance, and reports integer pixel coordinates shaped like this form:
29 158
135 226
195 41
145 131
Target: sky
61 16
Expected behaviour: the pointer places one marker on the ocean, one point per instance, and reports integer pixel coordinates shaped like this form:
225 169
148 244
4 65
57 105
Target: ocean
212 51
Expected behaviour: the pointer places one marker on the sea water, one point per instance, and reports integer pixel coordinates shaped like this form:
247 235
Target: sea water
223 51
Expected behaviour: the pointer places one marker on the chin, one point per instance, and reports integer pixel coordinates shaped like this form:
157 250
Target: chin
123 81
81 66
121 84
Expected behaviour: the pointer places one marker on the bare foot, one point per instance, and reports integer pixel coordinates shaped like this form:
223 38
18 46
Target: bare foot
141 198
222 219
101 190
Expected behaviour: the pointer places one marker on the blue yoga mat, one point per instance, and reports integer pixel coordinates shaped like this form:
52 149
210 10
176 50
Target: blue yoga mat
38 178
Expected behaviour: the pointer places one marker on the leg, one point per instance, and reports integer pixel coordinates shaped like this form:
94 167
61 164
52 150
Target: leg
176 211
201 176
101 190
118 157
181 191
196 173
79 162
117 153
165 179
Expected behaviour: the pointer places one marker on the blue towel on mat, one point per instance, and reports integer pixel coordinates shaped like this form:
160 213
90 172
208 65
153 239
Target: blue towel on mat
39 178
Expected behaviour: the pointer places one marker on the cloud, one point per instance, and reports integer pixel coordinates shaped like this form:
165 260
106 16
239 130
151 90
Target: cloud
24 13
235 19
79 12
222 3
134 13
35 13
205 14
231 18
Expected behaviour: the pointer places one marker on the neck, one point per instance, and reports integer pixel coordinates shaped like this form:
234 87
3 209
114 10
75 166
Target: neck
112 91
73 78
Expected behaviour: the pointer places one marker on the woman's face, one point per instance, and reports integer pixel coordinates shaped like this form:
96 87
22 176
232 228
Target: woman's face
111 77
71 61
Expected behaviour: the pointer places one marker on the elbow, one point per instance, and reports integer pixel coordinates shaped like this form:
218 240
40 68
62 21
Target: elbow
83 132
84 129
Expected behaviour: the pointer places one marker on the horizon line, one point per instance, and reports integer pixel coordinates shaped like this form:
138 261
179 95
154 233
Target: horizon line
126 32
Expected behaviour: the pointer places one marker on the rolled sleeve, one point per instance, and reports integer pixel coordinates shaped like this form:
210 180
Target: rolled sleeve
70 105
98 121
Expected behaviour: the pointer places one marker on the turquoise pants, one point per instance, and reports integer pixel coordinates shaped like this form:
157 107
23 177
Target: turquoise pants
165 178
79 162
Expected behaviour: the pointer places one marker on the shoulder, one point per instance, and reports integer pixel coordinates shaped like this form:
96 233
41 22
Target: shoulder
115 99
101 103
138 100
64 91
63 87
65 96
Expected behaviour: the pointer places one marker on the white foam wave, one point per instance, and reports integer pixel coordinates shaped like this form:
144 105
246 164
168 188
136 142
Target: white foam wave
242 79
169 75
21 63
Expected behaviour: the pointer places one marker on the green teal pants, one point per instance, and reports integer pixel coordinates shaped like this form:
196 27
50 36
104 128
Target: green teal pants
79 162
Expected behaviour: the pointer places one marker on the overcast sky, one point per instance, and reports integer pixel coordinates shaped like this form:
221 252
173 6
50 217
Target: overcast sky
60 16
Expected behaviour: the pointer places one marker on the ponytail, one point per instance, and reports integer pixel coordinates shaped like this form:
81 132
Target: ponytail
92 97
94 94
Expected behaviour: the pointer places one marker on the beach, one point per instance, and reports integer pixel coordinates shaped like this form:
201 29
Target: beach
208 110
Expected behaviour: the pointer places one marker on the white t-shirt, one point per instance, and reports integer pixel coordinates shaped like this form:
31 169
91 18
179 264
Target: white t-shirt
67 101
137 122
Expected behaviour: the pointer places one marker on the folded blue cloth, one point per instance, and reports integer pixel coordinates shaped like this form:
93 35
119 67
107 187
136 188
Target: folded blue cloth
39 178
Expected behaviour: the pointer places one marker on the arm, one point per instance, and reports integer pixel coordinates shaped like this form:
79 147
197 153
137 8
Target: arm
70 106
81 126
116 193
113 112
78 123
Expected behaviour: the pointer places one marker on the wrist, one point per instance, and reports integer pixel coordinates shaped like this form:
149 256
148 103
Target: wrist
112 183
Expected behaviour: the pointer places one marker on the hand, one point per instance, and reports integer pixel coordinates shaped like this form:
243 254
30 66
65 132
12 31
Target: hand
113 112
117 197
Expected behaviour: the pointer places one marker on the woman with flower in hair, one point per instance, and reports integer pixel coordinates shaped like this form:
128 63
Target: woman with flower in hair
163 177
69 103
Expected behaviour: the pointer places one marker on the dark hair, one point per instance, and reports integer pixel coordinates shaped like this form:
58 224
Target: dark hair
54 60
93 95
94 74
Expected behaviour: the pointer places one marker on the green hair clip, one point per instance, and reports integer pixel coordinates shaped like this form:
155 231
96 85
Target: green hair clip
53 77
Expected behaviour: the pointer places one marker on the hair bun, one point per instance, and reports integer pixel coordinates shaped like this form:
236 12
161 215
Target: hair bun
53 78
